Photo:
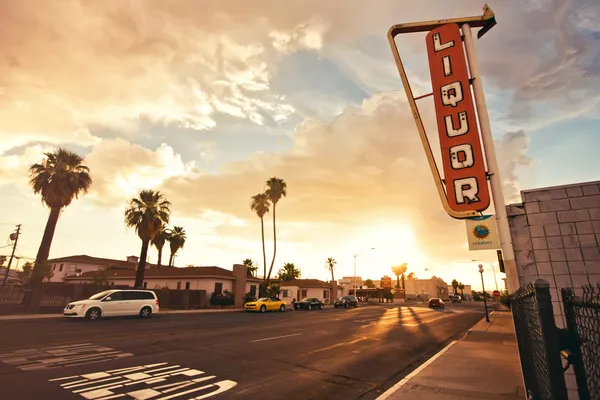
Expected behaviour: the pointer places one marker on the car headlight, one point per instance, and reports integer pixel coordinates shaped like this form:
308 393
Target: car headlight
79 306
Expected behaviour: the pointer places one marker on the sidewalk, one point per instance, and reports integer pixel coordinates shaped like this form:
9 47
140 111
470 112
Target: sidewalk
165 312
484 365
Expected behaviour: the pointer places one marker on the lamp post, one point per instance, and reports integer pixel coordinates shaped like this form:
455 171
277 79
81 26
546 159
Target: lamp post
493 270
487 317
355 256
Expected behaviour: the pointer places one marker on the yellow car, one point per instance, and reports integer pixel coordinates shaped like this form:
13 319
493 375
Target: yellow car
265 304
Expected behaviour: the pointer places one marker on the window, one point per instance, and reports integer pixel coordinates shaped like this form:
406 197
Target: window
130 295
117 296
218 287
54 267
61 267
325 294
284 293
253 290
187 286
304 293
178 285
73 268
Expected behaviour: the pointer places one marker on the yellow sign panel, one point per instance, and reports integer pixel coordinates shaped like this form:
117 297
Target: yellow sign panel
482 233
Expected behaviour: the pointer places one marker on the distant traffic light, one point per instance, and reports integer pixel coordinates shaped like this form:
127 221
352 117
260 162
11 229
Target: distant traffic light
500 260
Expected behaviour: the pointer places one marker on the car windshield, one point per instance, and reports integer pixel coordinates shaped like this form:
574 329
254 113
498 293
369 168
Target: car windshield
263 299
306 299
100 295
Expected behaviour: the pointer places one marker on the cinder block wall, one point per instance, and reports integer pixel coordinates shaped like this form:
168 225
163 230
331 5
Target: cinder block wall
556 237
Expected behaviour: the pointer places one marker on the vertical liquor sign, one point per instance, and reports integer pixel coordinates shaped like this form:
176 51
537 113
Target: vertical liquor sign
462 156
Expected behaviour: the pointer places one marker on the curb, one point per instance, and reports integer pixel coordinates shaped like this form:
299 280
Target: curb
20 317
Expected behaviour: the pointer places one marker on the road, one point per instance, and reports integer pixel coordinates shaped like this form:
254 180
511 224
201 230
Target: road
319 354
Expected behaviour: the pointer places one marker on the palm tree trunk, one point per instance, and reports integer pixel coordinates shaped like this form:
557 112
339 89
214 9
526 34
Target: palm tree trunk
262 231
332 280
398 281
159 257
403 282
171 259
274 247
141 269
41 260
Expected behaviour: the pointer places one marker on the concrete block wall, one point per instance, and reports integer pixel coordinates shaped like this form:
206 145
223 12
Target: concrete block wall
556 237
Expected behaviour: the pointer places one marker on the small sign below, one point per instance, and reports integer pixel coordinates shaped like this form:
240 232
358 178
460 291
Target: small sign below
482 233
496 293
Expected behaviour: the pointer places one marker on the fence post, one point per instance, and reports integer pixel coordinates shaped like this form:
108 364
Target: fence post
550 339
568 297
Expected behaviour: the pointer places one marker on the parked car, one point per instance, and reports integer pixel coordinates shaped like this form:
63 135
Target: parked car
309 303
265 304
346 301
112 303
456 298
436 303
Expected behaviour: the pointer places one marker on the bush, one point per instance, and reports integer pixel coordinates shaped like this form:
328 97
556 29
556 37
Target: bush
248 297
504 299
222 299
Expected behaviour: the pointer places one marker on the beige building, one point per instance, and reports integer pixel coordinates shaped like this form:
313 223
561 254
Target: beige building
301 288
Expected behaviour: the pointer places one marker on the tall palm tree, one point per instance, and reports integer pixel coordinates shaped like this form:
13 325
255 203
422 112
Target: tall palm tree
59 178
248 263
176 240
147 213
454 285
461 287
276 189
159 242
399 270
260 205
330 266
289 272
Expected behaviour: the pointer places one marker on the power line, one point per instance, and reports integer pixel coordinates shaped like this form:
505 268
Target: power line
12 256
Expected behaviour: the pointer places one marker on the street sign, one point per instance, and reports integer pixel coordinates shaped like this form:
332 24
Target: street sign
393 291
386 282
462 156
496 293
482 233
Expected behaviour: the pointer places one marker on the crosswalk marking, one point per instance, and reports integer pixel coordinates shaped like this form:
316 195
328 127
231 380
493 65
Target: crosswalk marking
60 356
138 383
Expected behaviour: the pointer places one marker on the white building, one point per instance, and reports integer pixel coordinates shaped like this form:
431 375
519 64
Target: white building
301 288
81 264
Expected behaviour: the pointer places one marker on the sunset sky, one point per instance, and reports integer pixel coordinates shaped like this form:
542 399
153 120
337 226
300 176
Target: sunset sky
206 100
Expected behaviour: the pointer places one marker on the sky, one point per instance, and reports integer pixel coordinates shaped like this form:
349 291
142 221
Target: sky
205 101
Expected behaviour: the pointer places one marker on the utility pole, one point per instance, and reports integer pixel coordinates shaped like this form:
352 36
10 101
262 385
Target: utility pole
16 236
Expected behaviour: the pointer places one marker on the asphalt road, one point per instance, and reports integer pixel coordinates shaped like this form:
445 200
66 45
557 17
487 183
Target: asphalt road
319 354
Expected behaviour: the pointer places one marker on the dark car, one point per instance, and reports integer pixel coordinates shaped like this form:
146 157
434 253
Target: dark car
436 303
346 301
309 303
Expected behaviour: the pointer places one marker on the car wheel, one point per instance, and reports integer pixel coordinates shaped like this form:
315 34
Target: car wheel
356 305
146 312
93 314
282 308
321 306
335 306
263 308
309 307
345 305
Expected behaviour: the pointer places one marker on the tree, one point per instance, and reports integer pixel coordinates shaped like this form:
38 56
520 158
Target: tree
100 278
454 285
260 205
2 260
250 265
59 178
330 266
276 189
26 273
461 287
289 272
411 276
369 283
399 270
147 214
176 238
159 242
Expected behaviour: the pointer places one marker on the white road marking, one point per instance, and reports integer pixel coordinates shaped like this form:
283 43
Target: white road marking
408 377
275 337
138 383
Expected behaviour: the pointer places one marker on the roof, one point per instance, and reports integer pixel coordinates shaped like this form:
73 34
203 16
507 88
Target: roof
167 272
97 260
306 283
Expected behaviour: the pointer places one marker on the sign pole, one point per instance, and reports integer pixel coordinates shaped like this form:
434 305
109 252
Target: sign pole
492 164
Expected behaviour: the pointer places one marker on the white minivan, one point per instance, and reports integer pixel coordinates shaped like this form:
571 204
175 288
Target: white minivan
113 303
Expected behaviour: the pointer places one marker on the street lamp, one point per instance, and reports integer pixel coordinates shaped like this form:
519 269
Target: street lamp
493 270
487 316
355 256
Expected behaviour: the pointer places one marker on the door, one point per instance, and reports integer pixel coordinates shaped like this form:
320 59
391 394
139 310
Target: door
113 304
304 294
132 303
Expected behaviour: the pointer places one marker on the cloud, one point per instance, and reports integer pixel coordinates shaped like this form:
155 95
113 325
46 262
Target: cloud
511 152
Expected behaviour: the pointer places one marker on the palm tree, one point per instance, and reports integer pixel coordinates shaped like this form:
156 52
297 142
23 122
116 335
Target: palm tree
276 189
369 283
176 240
147 213
454 285
330 266
59 178
411 276
159 242
289 272
250 265
461 287
399 270
260 205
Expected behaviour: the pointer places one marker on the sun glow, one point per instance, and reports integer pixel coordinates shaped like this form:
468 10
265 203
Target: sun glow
393 245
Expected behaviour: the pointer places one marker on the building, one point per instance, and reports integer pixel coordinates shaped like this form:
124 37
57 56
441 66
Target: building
71 265
13 277
466 292
428 288
300 288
